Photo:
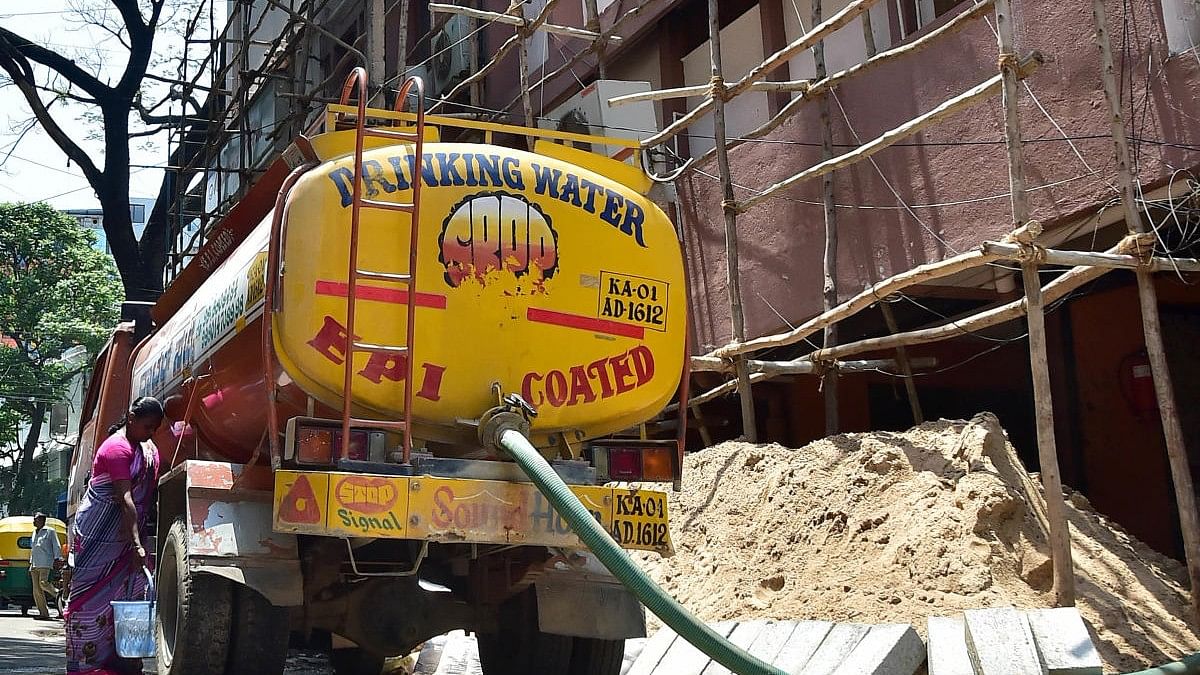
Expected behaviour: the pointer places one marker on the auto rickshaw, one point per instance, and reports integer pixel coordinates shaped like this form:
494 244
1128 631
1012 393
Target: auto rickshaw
16 537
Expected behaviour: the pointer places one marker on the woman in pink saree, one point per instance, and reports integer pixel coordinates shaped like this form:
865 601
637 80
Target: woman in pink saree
110 530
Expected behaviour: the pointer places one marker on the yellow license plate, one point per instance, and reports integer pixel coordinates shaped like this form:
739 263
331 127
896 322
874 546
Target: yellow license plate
460 510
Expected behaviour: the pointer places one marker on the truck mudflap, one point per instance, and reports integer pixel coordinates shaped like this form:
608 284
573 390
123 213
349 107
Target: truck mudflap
228 514
459 510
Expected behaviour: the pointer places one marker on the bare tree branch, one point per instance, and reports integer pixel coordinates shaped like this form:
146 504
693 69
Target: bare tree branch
59 93
149 132
21 72
29 126
23 48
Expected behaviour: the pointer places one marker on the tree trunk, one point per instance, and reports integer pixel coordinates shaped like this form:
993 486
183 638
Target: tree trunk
20 492
140 280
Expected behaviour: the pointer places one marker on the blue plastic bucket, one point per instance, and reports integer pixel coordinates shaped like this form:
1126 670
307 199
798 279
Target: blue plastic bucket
133 623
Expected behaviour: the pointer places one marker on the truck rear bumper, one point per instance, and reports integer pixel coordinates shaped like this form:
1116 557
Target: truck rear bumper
458 510
227 508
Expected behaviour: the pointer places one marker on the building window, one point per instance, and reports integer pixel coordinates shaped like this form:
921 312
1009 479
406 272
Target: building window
601 5
916 14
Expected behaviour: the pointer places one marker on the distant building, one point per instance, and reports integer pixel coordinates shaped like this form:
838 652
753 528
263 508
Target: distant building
93 219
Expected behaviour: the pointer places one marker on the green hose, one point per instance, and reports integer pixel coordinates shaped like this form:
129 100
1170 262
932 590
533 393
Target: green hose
1188 665
617 561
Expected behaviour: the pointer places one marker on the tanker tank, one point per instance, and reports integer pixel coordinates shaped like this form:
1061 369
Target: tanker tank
547 272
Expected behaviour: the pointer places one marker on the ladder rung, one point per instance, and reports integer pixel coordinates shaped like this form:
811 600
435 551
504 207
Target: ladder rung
383 424
387 133
384 276
390 206
390 349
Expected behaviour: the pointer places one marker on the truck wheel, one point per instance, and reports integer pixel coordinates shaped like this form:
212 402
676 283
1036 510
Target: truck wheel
519 647
259 634
355 661
591 656
194 612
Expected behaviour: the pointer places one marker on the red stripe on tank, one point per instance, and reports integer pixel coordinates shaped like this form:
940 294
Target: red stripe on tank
398 296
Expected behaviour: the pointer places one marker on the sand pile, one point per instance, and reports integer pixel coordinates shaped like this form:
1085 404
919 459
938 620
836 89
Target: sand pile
895 527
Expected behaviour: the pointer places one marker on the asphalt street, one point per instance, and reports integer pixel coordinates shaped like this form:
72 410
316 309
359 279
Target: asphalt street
32 647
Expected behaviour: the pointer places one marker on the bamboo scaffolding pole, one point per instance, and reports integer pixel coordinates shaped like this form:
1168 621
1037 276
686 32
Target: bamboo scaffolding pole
704 89
375 44
829 383
917 45
1052 292
764 370
511 20
868 34
476 93
867 297
523 78
402 44
749 427
976 94
1131 262
804 42
593 25
803 366
1039 364
583 53
1148 297
910 387
498 57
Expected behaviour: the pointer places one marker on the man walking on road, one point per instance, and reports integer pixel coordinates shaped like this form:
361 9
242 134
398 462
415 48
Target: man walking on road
45 551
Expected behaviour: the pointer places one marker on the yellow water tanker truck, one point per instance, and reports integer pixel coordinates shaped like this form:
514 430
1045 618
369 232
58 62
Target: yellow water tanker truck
333 361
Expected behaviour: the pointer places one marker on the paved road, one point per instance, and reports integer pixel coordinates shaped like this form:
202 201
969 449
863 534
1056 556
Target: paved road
28 646
31 647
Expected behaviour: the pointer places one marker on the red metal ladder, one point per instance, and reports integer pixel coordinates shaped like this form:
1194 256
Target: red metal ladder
358 79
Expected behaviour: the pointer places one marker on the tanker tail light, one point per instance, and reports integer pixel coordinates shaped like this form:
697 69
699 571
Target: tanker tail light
318 442
636 460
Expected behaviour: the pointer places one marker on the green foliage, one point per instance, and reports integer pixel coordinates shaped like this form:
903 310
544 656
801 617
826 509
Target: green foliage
56 292
10 423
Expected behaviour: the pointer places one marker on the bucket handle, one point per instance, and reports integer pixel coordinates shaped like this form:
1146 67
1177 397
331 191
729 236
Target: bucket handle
148 594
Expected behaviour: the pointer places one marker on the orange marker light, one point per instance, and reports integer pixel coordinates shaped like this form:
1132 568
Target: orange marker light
656 463
314 445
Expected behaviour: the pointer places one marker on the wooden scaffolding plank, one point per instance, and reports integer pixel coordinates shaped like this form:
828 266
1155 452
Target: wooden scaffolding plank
1000 642
1063 643
887 649
801 645
653 652
837 645
743 636
684 659
947 651
771 639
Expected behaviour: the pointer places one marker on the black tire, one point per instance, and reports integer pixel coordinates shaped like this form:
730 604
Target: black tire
592 656
259 635
519 648
194 612
356 661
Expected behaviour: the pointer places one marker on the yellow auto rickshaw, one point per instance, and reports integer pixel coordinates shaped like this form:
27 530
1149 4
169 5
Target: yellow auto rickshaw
16 537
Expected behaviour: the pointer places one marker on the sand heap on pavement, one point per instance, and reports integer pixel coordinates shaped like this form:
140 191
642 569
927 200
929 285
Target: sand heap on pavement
895 527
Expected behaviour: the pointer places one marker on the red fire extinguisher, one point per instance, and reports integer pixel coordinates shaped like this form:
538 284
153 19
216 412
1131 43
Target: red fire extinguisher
1137 385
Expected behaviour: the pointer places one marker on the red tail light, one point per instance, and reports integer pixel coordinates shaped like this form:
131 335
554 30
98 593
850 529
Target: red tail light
312 441
653 461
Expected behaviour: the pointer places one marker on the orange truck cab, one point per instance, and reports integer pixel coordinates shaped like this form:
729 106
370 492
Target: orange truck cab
326 360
